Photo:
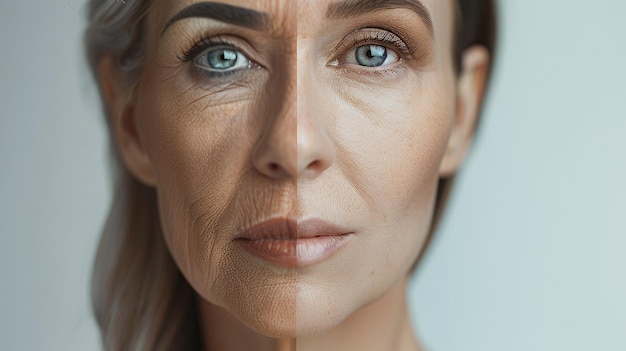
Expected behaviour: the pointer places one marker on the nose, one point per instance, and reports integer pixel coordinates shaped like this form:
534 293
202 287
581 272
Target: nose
275 155
315 148
295 144
315 151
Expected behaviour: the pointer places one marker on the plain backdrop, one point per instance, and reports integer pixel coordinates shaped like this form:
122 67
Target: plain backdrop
530 255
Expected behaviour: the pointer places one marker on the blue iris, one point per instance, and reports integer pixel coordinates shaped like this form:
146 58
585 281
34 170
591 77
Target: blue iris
222 59
371 55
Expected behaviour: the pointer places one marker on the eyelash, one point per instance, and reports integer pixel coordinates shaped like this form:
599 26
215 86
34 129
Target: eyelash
363 36
383 37
204 43
372 36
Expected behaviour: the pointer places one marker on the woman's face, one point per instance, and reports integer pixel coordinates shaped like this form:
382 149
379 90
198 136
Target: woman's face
330 117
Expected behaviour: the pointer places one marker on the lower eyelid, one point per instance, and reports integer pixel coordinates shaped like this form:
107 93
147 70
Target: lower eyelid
207 76
367 75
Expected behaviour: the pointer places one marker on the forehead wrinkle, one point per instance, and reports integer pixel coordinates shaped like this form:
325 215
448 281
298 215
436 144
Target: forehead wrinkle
278 16
282 20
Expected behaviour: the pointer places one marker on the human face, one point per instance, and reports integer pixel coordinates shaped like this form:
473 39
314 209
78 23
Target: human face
215 106
378 138
303 115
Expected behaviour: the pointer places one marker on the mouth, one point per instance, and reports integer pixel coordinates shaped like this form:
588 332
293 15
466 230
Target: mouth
289 243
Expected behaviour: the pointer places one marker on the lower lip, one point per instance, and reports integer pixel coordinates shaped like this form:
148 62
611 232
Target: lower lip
295 252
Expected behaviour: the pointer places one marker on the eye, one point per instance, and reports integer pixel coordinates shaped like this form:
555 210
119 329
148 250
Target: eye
371 55
222 59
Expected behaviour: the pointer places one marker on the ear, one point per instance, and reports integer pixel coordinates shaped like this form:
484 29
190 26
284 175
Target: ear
470 90
122 119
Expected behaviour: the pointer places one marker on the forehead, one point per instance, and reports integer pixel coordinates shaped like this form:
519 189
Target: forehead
437 15
435 8
280 14
283 13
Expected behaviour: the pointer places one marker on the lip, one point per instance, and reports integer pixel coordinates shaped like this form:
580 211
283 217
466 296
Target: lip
289 243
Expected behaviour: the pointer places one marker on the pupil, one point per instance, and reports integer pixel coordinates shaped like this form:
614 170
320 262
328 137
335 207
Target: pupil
222 58
371 55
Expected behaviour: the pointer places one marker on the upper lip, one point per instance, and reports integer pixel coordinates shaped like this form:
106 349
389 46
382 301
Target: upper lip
288 229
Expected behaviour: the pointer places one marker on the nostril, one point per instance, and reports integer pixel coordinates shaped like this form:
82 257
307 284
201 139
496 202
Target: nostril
274 167
314 165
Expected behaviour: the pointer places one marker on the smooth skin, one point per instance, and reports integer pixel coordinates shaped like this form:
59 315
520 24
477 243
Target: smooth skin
299 129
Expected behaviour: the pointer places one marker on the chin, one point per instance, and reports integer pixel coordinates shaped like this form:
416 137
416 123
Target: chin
312 325
276 326
289 316
319 311
269 312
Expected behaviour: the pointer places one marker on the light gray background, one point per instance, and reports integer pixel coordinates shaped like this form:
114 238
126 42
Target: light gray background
530 256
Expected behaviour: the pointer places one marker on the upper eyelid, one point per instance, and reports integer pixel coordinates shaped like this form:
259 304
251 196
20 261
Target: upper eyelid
364 67
202 45
351 42
204 41
203 52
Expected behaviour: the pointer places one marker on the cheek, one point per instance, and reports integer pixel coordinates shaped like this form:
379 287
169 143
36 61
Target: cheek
390 156
389 142
189 140
201 148
392 140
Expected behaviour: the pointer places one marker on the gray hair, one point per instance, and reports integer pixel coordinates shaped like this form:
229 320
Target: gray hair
115 27
141 301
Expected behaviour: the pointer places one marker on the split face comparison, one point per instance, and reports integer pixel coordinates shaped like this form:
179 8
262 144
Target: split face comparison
295 147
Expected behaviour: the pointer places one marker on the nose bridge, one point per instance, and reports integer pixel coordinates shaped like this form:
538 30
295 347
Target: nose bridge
295 142
304 86
314 147
275 154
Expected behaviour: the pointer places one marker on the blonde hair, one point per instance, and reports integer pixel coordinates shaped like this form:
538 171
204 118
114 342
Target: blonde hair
140 299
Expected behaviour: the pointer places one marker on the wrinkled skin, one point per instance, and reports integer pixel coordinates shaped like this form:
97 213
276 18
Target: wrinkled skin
302 130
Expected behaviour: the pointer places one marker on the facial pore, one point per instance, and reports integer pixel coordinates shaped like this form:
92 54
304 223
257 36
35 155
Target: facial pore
376 92
215 100
314 115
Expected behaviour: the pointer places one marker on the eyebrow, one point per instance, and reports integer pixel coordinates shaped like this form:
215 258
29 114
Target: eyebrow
353 8
239 16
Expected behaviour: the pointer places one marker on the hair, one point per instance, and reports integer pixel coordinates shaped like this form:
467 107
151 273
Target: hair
140 299
475 25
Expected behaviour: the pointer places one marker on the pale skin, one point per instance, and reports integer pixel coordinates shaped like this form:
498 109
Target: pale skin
300 129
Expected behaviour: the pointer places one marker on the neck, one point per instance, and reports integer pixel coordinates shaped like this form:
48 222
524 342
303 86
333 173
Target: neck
382 325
